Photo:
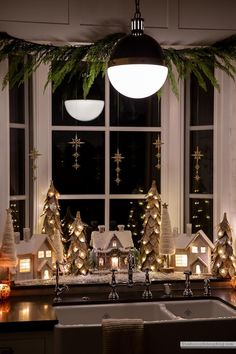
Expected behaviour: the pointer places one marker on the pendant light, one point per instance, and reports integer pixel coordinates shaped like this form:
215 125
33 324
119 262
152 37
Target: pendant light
136 68
84 110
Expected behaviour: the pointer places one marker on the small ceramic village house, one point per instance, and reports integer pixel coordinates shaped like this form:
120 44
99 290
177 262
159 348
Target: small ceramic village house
111 248
193 253
36 256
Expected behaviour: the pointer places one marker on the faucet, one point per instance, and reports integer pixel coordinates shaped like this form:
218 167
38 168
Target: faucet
59 289
207 288
147 294
131 265
113 294
187 290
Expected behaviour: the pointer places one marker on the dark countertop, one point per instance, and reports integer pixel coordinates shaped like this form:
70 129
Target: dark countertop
31 309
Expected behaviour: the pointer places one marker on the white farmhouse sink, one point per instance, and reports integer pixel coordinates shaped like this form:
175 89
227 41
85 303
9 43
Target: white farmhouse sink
148 311
93 314
193 309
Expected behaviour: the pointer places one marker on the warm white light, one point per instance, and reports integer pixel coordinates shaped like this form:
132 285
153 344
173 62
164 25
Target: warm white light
84 110
137 80
114 262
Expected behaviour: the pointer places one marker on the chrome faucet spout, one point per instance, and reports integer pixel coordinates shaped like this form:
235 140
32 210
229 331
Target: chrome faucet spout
187 290
59 289
131 265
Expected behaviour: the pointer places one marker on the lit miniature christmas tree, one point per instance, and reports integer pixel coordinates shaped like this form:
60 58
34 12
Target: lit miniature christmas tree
78 251
223 259
167 246
8 257
149 250
136 217
51 212
15 216
66 223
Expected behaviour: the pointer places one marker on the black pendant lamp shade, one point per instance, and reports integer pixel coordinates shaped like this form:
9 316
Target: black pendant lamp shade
136 67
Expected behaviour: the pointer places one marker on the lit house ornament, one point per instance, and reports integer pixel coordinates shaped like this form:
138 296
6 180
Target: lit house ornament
136 67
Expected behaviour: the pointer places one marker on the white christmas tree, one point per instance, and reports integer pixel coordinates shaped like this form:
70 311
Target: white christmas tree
8 257
167 245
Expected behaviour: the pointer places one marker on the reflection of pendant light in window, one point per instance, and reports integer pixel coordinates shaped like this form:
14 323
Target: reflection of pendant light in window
84 110
136 66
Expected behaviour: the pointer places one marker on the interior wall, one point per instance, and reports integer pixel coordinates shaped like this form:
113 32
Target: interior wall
172 22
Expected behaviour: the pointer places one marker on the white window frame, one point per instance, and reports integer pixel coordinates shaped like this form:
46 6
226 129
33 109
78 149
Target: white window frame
172 178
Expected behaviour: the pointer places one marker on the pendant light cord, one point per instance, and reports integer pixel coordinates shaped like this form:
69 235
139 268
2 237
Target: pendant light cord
137 9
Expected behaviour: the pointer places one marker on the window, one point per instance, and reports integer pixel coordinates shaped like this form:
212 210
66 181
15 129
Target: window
199 156
104 183
20 175
181 260
101 262
24 265
40 254
48 253
114 244
194 249
114 262
203 249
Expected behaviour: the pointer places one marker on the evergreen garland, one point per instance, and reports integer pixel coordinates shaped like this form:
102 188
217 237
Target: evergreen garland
88 61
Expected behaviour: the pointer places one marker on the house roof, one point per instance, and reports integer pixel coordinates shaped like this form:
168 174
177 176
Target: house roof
183 241
101 240
199 260
42 264
32 246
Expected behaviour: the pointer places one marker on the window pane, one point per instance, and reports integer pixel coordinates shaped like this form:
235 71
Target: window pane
138 168
129 213
201 211
201 103
134 112
89 177
201 171
16 102
91 211
17 161
18 215
73 90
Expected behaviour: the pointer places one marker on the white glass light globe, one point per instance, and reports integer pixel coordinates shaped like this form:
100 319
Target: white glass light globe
137 80
84 110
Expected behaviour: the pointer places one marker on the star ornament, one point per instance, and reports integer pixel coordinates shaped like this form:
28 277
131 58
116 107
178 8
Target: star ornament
118 156
76 142
117 159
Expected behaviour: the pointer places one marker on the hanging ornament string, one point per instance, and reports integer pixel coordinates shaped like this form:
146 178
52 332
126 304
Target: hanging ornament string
157 143
117 157
197 155
76 142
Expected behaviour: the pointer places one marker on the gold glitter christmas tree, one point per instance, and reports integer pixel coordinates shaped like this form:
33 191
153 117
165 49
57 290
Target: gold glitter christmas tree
78 251
149 250
223 259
